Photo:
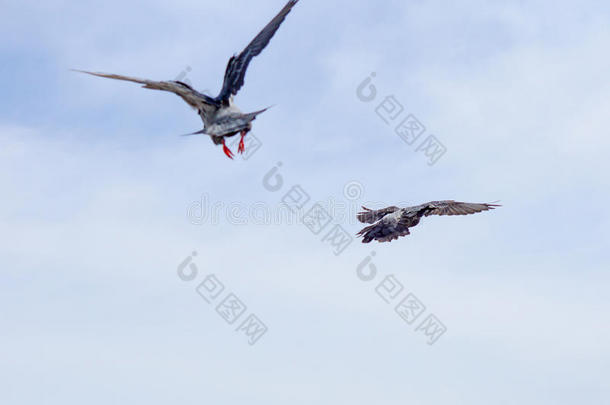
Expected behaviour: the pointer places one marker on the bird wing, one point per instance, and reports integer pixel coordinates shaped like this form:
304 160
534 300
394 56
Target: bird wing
369 216
450 207
204 104
237 66
386 229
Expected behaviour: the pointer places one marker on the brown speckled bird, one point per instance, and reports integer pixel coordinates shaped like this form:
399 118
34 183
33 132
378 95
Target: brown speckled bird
393 222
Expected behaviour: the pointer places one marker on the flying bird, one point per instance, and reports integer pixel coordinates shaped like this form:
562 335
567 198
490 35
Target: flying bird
393 222
221 118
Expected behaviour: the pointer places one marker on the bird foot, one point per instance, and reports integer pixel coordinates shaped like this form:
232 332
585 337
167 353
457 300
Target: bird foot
226 150
242 147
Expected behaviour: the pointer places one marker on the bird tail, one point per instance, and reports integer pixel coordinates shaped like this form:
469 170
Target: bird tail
367 234
252 116
195 133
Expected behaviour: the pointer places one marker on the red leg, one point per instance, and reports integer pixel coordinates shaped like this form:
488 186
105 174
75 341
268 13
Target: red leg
226 150
242 147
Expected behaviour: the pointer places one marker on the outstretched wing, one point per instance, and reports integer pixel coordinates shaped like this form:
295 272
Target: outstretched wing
369 216
236 69
450 207
202 103
386 229
395 223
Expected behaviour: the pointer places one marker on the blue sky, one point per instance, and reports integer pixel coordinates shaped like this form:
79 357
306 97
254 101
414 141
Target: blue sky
97 188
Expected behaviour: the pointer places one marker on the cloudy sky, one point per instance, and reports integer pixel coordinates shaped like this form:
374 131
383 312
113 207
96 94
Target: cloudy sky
104 204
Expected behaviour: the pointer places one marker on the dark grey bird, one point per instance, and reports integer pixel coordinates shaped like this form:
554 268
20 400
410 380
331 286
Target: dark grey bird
393 222
221 118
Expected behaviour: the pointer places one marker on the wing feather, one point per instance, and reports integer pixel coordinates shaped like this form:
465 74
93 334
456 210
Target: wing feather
237 66
198 101
450 207
369 216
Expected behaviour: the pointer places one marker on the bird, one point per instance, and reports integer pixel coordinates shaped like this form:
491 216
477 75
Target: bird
221 117
393 222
